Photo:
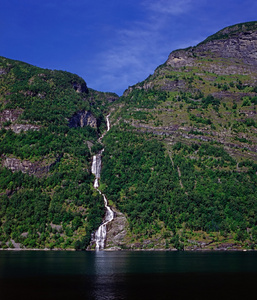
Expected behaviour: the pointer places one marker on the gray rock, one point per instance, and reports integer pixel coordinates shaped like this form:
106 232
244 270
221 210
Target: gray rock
80 88
82 119
17 128
38 168
116 232
9 115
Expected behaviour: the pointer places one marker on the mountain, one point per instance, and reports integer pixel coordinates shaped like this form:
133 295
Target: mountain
179 165
180 159
50 122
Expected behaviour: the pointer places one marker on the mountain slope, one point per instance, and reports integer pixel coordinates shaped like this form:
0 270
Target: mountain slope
180 160
213 83
50 122
179 166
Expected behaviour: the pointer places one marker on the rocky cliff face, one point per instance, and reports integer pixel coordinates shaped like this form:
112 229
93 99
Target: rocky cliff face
232 50
240 47
116 232
223 67
9 119
17 128
39 168
80 88
237 42
82 119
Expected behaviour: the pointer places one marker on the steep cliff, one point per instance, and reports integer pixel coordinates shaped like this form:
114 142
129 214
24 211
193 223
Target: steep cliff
39 168
82 119
214 82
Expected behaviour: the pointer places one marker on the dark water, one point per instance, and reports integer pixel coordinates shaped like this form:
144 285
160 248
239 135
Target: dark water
128 275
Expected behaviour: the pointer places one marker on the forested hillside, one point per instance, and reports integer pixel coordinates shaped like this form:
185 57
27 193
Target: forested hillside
47 199
179 163
180 160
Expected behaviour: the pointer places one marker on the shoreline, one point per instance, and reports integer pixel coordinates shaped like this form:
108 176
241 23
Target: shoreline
131 250
35 249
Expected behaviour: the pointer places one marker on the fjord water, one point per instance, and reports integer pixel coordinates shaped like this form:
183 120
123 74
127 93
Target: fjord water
127 275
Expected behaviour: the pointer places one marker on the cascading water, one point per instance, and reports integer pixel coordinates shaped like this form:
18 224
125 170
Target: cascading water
96 168
100 234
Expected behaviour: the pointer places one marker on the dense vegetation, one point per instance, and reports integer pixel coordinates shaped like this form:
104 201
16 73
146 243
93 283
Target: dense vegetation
56 206
202 122
46 96
193 189
60 211
180 159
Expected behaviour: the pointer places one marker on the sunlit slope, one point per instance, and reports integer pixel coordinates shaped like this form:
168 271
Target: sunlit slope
180 160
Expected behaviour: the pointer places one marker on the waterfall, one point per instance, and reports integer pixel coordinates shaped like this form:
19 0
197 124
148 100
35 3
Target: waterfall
100 234
96 167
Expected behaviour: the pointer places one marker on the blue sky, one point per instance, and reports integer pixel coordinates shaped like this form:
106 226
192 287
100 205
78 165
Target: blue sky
111 44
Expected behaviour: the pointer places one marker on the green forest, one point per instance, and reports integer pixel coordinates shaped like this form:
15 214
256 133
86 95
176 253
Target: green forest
179 163
169 193
57 208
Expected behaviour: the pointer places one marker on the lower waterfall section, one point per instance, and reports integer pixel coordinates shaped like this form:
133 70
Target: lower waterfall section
100 234
99 237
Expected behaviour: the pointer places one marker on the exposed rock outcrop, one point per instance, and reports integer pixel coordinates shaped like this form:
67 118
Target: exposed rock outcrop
9 115
230 51
116 232
238 46
17 128
239 41
181 58
38 168
82 119
80 88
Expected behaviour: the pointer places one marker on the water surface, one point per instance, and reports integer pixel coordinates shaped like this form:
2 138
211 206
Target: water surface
127 275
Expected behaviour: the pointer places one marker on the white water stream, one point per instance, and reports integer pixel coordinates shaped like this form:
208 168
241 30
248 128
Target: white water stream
100 234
